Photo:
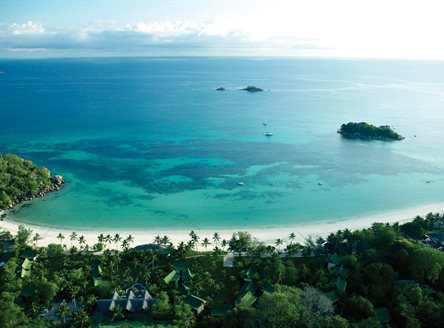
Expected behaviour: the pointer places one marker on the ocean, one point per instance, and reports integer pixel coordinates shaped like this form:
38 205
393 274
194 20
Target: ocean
148 143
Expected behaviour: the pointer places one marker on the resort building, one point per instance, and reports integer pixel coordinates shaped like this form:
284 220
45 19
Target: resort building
195 303
136 299
28 256
180 274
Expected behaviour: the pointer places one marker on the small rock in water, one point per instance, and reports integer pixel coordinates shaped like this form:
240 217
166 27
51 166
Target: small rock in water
252 88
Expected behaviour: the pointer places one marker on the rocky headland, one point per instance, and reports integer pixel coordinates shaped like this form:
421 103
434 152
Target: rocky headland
56 184
21 180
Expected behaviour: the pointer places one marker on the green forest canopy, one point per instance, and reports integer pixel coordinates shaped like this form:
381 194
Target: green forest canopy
20 177
363 130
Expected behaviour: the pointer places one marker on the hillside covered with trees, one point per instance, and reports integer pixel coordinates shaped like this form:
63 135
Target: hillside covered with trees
386 275
21 179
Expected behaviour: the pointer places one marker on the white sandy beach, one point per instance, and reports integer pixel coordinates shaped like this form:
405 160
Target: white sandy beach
267 235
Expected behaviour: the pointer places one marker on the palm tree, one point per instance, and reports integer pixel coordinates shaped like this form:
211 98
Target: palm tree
292 237
36 238
60 237
166 240
130 239
80 318
118 313
63 310
125 244
278 243
100 238
108 239
309 247
190 244
216 238
205 243
117 240
195 238
82 241
224 244
217 251
157 240
192 234
73 237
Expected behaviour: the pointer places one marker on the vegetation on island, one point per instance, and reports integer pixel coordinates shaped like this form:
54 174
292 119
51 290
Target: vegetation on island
386 275
364 130
20 179
252 88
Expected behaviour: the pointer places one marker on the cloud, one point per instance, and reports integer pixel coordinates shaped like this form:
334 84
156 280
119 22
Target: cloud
154 38
26 28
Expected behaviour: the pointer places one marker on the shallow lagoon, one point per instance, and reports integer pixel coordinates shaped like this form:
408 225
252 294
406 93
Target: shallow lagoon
149 143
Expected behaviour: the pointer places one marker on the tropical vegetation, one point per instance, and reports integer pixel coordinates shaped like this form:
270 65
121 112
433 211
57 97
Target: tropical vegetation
20 178
364 130
386 275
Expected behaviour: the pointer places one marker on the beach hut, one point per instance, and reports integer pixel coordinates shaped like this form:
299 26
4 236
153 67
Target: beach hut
29 254
247 295
249 274
333 261
332 296
339 283
181 273
196 303
437 238
342 272
25 268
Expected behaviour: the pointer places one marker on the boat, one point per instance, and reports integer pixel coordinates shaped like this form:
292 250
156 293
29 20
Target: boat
268 134
241 184
264 123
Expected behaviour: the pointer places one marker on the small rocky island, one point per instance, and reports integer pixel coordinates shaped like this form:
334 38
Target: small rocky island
22 180
367 131
252 88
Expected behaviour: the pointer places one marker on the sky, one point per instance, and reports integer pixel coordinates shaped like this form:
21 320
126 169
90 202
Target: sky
405 29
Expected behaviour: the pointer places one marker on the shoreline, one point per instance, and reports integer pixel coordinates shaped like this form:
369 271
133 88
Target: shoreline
56 182
267 234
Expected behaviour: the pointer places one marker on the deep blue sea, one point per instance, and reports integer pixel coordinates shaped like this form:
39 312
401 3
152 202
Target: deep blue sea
149 143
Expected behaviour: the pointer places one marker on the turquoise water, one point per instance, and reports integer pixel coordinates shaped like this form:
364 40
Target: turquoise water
148 143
